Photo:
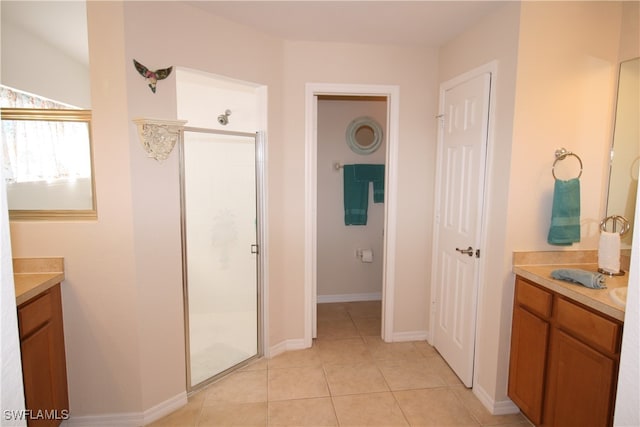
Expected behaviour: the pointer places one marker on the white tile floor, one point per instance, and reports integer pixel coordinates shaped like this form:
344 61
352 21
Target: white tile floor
350 377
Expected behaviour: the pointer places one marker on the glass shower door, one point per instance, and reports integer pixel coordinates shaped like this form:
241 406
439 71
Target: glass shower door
220 251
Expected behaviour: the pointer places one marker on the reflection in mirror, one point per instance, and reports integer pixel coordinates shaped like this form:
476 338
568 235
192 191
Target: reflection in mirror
625 150
45 49
47 163
45 57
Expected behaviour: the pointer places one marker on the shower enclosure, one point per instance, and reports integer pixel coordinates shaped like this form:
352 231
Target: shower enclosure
220 174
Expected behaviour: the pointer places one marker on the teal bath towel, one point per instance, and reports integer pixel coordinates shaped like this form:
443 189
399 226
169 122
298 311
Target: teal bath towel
356 198
356 181
583 277
372 173
565 213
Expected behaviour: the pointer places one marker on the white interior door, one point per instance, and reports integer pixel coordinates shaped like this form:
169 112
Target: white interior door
220 243
460 189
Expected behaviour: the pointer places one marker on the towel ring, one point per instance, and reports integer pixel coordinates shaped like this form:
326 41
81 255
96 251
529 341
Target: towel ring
615 221
562 154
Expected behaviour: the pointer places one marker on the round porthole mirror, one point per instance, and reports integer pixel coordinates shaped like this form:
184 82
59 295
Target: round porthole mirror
364 135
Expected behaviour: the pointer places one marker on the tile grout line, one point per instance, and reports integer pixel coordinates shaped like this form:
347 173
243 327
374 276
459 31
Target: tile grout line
395 399
333 404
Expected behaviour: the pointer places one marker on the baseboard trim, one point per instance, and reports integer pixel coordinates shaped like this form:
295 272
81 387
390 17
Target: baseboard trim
375 296
165 408
130 419
127 419
286 345
410 336
501 407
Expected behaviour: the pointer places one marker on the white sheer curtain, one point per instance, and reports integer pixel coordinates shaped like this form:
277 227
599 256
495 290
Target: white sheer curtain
42 150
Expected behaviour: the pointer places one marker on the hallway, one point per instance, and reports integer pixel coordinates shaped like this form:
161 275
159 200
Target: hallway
350 377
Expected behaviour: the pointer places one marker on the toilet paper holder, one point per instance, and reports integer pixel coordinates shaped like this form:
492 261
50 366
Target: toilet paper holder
615 221
364 255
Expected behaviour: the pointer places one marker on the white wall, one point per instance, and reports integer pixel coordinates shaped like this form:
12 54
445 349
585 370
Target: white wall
626 412
342 276
202 97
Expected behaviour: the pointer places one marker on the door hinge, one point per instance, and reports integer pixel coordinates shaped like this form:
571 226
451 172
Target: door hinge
254 249
477 253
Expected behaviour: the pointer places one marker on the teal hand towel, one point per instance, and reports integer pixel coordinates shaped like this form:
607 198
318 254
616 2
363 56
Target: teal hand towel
565 213
356 198
372 173
583 277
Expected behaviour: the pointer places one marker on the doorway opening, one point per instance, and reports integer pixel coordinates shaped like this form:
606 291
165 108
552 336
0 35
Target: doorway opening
324 185
350 246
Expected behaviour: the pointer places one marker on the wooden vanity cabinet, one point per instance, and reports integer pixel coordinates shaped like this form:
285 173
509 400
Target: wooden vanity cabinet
43 358
564 359
529 348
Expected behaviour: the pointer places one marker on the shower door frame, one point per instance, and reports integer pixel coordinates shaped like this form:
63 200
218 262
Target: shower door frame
260 153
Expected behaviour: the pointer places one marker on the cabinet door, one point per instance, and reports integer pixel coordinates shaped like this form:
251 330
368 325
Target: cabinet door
529 343
43 359
580 384
39 381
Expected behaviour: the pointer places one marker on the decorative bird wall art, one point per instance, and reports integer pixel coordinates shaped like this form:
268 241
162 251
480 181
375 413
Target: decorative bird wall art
152 77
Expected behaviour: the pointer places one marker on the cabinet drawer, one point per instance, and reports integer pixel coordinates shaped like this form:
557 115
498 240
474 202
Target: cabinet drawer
533 298
35 313
588 326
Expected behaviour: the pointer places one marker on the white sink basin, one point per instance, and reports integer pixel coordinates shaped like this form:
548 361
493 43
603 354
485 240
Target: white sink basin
619 296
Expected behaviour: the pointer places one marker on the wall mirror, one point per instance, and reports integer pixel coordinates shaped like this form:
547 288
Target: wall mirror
51 36
364 135
47 163
625 149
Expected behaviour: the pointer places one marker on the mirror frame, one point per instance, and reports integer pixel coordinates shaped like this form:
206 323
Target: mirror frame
353 129
82 116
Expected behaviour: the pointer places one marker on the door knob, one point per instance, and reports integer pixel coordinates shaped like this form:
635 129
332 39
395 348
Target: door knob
468 251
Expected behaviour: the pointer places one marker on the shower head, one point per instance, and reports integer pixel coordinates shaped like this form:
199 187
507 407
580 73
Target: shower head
223 119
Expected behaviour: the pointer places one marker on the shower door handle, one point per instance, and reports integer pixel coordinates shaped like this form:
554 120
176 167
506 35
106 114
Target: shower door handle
254 248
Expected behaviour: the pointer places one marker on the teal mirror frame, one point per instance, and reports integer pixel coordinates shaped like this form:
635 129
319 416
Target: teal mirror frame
357 125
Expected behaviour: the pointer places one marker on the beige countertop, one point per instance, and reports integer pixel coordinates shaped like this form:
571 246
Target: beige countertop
32 276
598 299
